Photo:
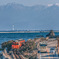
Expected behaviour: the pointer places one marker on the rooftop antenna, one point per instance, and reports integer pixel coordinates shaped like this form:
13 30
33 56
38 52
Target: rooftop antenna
13 27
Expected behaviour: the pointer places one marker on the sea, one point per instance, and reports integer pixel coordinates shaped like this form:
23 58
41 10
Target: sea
4 37
15 36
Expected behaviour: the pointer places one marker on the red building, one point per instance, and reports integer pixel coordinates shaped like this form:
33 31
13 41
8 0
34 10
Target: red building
17 45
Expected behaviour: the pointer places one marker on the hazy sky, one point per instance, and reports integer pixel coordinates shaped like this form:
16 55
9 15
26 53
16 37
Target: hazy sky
29 2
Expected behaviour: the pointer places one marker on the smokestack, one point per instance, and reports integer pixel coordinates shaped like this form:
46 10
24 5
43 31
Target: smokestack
13 27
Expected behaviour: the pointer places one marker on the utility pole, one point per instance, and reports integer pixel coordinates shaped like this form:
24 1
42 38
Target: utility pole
58 47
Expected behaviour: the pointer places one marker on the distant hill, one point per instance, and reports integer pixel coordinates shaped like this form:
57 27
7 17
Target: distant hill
29 17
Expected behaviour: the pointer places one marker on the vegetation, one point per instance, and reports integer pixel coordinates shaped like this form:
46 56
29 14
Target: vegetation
1 49
33 57
28 46
7 45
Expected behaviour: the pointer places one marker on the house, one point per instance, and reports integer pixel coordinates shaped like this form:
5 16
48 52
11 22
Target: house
17 44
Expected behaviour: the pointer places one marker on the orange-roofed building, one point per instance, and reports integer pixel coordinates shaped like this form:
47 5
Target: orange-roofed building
17 45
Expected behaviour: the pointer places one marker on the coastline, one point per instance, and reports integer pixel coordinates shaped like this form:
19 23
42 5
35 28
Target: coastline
51 43
27 31
42 47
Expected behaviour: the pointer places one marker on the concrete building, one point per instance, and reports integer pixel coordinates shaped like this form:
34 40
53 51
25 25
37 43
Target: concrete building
43 47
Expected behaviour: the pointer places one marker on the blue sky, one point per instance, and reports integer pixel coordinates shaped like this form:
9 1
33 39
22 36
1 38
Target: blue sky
29 2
